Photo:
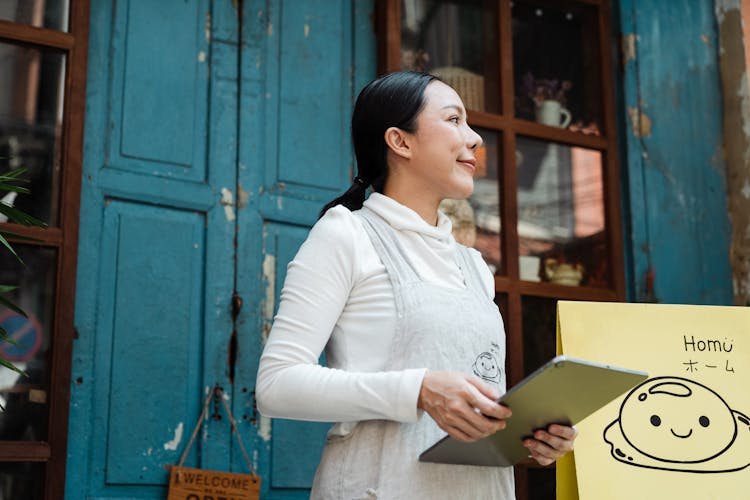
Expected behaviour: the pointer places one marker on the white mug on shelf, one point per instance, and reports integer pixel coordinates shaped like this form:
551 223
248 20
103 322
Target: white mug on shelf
528 267
552 113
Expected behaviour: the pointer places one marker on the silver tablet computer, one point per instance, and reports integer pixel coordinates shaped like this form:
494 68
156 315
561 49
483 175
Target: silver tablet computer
565 390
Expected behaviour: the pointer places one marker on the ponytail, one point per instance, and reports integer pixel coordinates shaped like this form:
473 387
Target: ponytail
393 100
352 199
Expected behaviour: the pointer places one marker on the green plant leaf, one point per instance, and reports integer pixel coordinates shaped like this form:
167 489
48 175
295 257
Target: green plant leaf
9 183
10 305
17 216
10 187
5 243
8 364
16 236
14 175
4 337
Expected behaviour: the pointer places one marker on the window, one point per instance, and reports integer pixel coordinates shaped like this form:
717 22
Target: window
536 77
43 48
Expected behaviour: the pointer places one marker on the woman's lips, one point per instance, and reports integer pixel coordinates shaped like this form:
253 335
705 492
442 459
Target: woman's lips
469 163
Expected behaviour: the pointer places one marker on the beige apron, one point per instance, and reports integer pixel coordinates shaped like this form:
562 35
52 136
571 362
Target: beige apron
440 328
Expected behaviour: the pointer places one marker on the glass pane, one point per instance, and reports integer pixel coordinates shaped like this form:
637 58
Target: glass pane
476 221
541 483
539 317
556 64
26 398
31 105
456 41
52 14
23 480
561 230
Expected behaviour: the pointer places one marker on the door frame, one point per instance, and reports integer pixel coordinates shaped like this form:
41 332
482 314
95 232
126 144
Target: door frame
64 238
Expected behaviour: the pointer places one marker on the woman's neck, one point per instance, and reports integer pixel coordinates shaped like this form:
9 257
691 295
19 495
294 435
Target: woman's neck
426 206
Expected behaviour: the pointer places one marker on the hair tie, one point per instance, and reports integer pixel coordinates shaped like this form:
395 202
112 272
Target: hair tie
361 182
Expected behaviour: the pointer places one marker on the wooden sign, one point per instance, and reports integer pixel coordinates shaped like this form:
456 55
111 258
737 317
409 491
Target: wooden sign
683 433
197 484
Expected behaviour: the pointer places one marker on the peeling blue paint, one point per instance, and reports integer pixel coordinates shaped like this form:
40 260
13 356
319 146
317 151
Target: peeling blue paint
674 177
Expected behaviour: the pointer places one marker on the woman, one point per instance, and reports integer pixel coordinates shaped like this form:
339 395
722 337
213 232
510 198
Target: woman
404 313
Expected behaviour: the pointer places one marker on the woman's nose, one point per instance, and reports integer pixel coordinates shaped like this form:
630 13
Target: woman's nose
473 140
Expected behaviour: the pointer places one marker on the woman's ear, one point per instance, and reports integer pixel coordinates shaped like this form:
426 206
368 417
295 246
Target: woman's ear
398 141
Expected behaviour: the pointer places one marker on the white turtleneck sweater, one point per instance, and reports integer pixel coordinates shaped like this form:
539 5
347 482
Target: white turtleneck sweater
337 296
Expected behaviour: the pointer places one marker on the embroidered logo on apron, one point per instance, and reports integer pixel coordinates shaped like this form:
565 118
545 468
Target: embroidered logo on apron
487 367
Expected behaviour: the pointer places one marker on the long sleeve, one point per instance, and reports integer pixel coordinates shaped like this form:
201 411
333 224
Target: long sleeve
326 291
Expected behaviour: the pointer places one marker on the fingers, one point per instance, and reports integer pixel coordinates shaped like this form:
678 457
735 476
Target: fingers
468 419
549 445
460 405
459 435
480 411
563 432
487 407
486 389
485 397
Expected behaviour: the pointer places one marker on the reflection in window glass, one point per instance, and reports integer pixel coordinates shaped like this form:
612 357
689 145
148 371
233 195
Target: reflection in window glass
456 41
31 105
24 480
25 399
556 64
476 221
541 483
561 227
52 14
539 330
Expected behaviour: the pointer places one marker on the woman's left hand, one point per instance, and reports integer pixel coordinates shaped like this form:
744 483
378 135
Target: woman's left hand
549 445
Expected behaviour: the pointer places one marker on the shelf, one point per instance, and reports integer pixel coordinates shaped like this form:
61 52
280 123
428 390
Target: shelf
503 284
24 451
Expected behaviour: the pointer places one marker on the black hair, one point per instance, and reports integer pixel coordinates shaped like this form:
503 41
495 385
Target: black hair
393 100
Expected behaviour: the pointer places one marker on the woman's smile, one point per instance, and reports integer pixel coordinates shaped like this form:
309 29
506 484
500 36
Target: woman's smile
469 163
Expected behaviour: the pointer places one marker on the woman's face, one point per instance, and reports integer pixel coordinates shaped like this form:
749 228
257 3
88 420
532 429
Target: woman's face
443 144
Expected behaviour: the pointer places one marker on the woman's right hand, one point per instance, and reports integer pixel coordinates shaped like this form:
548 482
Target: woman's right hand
462 405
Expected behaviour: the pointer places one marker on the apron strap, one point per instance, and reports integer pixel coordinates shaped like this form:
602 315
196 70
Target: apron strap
470 269
388 247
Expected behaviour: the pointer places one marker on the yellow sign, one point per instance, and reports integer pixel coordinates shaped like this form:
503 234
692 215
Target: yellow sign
683 433
196 484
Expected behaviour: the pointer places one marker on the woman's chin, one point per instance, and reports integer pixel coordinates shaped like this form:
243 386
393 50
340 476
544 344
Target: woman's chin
464 191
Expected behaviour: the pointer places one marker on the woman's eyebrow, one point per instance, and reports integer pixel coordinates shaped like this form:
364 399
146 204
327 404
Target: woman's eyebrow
458 108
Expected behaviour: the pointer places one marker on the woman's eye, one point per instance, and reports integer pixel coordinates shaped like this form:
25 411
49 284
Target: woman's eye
454 119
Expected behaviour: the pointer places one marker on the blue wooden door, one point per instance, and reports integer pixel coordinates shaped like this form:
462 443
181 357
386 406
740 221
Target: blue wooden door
215 131
302 62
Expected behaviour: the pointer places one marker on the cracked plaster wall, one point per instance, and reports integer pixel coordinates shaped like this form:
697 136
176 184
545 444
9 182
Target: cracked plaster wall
733 18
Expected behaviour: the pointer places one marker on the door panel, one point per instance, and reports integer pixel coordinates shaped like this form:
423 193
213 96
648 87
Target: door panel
206 161
295 155
156 253
306 77
156 272
313 92
160 82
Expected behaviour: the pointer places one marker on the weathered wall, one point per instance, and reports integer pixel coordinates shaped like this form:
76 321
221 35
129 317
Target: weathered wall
734 54
677 228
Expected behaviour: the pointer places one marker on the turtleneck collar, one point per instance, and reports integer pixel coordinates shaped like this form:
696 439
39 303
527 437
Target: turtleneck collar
403 218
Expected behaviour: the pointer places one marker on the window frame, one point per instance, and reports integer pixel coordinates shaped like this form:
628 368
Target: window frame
509 289
63 238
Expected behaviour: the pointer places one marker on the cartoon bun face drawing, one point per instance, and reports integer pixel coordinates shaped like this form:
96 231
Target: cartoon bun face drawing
674 423
678 420
486 367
